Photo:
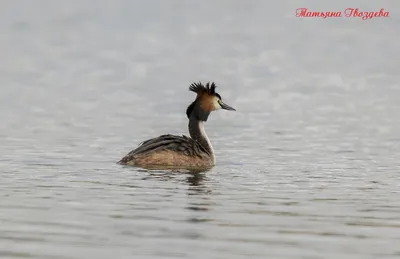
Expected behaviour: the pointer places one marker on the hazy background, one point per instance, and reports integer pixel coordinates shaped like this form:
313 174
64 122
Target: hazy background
308 166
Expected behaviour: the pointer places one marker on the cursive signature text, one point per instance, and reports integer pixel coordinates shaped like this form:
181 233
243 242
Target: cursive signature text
349 12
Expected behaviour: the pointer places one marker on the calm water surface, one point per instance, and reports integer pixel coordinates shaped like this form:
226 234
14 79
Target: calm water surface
308 166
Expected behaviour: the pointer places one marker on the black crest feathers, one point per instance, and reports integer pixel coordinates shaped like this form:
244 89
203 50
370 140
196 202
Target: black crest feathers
199 88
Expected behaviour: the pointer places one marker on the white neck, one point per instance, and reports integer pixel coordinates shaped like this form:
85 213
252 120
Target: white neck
204 135
198 133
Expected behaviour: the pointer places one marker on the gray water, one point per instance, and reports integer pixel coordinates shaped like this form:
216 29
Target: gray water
308 166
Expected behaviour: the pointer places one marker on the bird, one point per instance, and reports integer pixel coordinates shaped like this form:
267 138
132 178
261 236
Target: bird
182 152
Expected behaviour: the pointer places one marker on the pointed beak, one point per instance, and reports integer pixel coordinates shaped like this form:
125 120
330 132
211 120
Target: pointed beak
226 107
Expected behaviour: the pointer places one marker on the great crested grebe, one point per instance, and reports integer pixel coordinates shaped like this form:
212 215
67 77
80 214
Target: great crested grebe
181 152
